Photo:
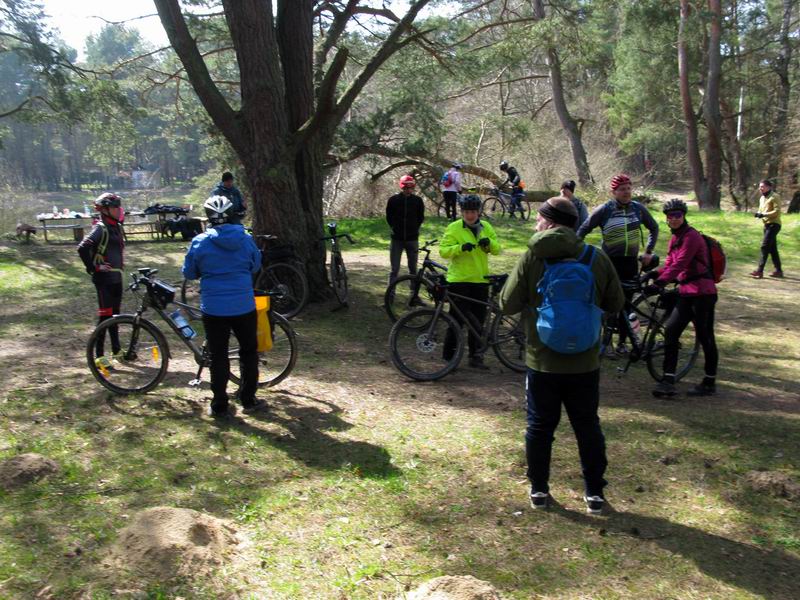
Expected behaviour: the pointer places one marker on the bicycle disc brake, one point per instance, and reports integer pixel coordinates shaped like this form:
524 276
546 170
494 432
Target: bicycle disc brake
426 343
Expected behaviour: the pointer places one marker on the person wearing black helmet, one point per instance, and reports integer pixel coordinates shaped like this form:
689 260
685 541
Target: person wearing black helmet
450 184
688 263
102 254
225 259
517 194
467 243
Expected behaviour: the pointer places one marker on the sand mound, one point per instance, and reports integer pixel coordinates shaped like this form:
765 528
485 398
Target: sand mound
163 542
24 468
463 587
773 483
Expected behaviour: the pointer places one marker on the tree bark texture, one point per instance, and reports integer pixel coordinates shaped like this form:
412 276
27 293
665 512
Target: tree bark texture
784 90
711 110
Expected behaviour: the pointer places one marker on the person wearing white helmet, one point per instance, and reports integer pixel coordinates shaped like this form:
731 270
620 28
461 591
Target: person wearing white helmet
225 259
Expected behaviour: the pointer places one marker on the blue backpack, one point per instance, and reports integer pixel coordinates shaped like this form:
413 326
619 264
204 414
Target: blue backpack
569 320
446 179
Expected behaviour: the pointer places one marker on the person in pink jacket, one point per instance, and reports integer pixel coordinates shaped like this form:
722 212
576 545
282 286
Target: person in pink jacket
688 263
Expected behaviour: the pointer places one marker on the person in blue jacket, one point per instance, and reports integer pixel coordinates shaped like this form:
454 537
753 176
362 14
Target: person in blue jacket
225 258
226 188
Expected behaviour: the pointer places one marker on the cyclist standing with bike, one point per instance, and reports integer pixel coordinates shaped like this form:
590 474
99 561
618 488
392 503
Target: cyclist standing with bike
405 213
225 259
467 243
517 194
688 263
102 253
620 220
563 375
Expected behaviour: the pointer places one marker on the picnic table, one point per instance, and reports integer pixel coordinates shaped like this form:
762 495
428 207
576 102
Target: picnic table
136 222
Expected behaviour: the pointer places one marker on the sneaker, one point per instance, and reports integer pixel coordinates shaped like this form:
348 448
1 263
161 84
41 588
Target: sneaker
777 274
254 407
621 349
664 390
103 363
476 362
702 390
594 504
540 500
757 274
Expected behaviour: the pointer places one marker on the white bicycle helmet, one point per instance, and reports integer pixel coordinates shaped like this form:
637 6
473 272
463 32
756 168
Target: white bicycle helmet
219 210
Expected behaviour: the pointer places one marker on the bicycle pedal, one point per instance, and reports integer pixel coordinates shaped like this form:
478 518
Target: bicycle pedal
195 383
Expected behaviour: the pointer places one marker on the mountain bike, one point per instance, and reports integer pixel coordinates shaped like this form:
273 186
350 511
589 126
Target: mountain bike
498 203
336 268
281 273
653 312
143 357
403 294
417 339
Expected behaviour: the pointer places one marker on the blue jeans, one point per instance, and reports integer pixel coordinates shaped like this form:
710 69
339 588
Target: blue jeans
580 395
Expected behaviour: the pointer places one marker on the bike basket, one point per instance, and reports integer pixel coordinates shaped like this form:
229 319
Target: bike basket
281 252
162 293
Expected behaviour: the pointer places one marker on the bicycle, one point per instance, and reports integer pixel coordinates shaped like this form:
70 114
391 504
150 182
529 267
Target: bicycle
336 268
277 274
417 339
399 298
498 203
144 355
650 346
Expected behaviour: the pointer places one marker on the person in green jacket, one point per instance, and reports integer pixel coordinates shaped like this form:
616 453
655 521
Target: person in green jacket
553 378
467 244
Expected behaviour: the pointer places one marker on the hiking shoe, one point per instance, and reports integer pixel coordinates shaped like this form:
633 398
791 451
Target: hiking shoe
254 407
540 500
594 504
217 413
103 362
777 274
476 362
702 390
664 390
757 274
621 349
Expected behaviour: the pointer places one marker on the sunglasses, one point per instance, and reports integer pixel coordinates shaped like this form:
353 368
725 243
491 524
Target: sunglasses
674 214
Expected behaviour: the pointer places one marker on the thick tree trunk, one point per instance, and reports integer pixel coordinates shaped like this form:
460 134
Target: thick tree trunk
784 90
711 110
690 122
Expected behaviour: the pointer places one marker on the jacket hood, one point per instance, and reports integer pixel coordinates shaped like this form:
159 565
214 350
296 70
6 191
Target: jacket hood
559 242
228 236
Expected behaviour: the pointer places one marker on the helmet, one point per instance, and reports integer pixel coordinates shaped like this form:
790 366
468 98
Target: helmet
619 180
407 181
674 205
219 210
108 200
470 202
458 165
503 165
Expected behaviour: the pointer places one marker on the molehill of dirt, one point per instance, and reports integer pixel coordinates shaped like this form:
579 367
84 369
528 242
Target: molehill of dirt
462 587
773 483
162 543
24 468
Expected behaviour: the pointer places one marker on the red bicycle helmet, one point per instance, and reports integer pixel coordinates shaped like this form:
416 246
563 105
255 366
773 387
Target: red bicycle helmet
407 181
619 180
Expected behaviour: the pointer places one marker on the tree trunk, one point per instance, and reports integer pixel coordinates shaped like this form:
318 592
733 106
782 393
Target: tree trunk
782 69
690 121
711 110
568 122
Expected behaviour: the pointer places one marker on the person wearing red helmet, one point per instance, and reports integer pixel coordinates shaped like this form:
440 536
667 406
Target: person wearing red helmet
102 254
620 220
405 213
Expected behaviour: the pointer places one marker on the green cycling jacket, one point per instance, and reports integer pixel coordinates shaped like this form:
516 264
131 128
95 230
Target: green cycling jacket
467 267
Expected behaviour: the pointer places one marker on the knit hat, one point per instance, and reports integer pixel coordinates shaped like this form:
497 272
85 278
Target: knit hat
560 211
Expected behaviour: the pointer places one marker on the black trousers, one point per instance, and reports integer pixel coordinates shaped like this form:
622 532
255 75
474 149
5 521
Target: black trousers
109 303
396 249
450 200
700 311
769 246
627 268
580 395
218 331
477 291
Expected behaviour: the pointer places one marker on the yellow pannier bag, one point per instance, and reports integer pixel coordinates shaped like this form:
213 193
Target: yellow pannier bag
263 333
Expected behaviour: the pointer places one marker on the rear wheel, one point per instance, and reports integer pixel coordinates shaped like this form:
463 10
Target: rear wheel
399 297
137 364
508 341
417 342
275 364
338 274
493 208
688 350
291 286
526 210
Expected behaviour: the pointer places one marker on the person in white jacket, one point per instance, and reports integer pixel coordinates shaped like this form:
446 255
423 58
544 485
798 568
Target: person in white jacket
450 184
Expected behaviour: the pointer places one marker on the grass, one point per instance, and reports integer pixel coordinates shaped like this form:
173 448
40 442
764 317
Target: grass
362 484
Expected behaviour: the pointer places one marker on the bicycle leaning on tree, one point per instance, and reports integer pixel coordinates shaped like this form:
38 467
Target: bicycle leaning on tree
336 269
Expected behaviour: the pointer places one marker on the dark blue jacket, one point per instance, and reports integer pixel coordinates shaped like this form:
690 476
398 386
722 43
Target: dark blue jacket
224 258
233 194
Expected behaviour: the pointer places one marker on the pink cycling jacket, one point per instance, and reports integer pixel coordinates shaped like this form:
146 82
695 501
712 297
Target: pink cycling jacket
687 263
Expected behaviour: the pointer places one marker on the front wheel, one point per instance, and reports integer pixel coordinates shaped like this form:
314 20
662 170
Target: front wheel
405 293
290 284
127 355
493 208
417 344
688 350
338 274
508 341
275 364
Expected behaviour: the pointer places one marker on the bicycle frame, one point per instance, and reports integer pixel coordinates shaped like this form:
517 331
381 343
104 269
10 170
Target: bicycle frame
639 351
468 320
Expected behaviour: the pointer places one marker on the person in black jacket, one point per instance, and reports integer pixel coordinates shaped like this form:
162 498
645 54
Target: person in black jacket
405 213
101 252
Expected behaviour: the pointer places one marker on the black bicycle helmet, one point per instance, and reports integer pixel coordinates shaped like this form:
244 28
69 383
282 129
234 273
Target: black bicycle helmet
108 200
673 205
470 202
503 165
219 210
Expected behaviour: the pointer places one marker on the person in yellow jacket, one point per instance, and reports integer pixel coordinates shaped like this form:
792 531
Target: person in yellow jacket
467 244
769 211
